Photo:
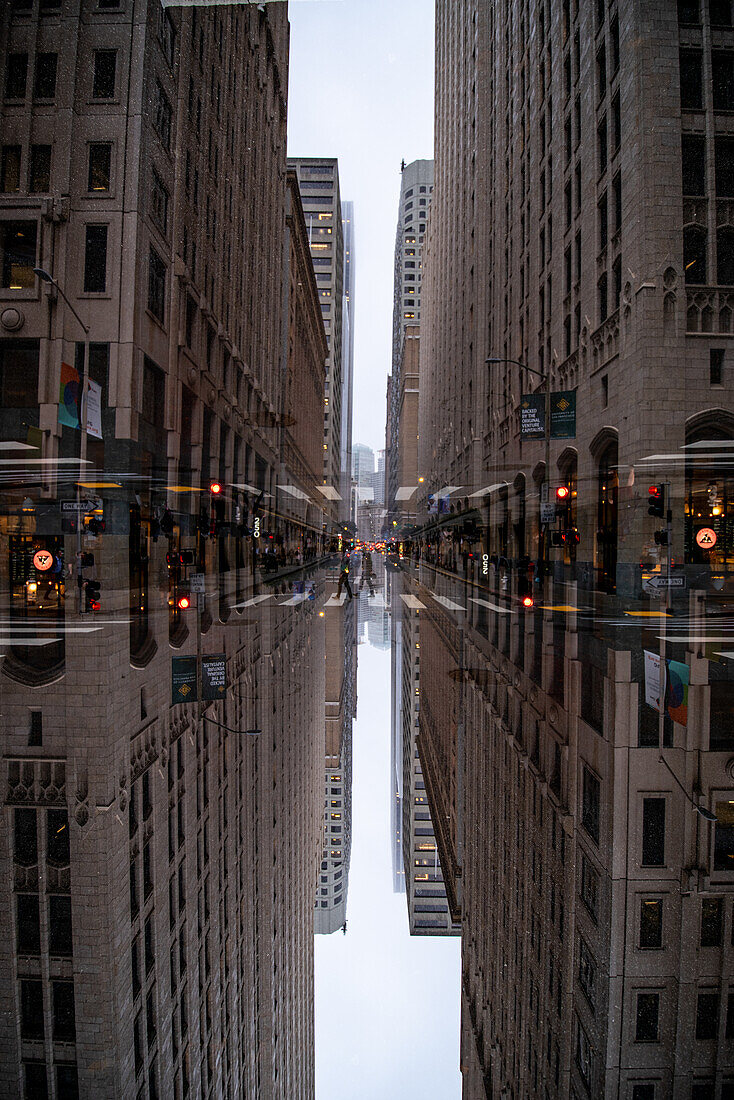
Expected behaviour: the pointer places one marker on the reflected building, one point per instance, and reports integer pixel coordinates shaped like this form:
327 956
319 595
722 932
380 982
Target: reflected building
161 849
578 235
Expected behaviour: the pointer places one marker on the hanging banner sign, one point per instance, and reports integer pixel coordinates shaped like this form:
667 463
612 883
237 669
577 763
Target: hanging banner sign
94 409
532 416
214 676
69 396
563 414
653 687
183 680
676 691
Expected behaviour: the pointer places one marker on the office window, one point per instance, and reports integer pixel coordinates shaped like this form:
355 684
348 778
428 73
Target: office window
57 838
707 1016
29 924
31 1009
601 144
712 921
603 222
35 733
63 1011
95 259
159 202
653 832
18 243
587 973
100 163
651 923
601 72
688 11
44 86
40 174
163 115
724 167
691 82
59 924
720 13
10 169
16 74
694 254
67 1083
156 285
722 72
602 296
590 807
647 1017
693 160
716 366
725 255
36 1081
643 1091
103 80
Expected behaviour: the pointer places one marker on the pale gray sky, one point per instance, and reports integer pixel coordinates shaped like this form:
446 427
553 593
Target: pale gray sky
387 1005
361 89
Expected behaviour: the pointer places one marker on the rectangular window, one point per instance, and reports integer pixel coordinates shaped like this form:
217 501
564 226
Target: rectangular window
603 222
691 80
716 366
720 13
601 145
163 115
44 85
722 72
712 921
724 170
105 68
159 202
707 1016
10 169
601 72
643 1091
40 174
29 924
587 973
59 925
18 242
100 164
35 733
602 295
95 259
31 1010
58 852
590 888
688 12
16 74
693 160
653 832
617 201
156 285
647 1018
36 1081
651 923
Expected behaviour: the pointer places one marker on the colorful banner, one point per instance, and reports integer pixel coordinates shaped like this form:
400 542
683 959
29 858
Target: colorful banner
69 396
563 414
532 416
676 691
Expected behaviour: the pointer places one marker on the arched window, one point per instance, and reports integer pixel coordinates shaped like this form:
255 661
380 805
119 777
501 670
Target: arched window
607 519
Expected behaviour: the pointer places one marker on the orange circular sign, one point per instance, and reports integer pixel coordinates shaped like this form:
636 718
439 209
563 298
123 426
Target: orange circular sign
43 560
706 538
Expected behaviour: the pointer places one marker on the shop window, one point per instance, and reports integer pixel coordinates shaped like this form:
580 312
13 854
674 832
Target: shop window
18 254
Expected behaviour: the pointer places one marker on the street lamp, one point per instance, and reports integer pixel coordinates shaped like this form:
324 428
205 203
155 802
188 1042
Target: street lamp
544 378
705 813
45 277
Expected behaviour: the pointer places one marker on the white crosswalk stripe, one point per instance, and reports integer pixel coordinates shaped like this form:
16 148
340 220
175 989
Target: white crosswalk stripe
493 606
412 602
446 602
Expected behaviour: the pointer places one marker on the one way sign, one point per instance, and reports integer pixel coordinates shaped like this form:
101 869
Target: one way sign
657 583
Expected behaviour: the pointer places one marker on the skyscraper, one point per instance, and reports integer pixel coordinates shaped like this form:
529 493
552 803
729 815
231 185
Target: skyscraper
573 256
153 756
416 187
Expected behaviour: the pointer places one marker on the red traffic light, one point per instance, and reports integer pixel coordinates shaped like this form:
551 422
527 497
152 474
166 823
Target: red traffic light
527 601
563 492
184 602
215 488
655 491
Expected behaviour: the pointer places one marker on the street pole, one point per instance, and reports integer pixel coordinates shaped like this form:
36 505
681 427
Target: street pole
45 277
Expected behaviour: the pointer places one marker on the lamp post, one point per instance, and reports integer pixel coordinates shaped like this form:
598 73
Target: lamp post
703 811
544 378
44 276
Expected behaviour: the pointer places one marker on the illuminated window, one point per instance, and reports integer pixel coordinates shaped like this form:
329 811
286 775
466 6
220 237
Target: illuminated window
18 245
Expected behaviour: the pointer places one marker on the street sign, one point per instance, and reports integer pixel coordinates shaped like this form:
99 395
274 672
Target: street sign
42 560
196 583
658 583
78 505
183 680
706 538
214 676
532 416
547 513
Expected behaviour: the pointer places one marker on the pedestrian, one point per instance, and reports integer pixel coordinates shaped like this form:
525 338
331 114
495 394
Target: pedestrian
344 576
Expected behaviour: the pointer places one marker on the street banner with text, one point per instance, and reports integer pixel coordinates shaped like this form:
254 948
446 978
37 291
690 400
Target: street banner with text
532 416
563 414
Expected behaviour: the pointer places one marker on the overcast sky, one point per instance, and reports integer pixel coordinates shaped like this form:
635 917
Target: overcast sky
387 1004
361 89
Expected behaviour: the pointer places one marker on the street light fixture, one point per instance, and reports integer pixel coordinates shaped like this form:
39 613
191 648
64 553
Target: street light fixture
705 813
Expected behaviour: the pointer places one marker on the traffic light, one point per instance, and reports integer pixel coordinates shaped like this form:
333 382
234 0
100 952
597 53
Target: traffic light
96 526
91 592
527 601
215 488
184 601
661 537
177 558
656 502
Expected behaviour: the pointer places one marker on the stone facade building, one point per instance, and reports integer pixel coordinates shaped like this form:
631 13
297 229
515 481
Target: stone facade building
158 858
579 229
